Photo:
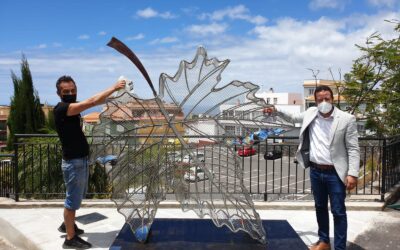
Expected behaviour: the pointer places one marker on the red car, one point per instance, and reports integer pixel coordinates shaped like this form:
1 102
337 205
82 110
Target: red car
246 151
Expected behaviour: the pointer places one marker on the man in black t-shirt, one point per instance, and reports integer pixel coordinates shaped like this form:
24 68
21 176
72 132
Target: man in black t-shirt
75 150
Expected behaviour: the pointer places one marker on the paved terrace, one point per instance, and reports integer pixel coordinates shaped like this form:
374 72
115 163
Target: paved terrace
33 224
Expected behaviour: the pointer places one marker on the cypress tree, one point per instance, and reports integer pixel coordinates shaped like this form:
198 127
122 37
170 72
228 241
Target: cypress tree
26 115
50 123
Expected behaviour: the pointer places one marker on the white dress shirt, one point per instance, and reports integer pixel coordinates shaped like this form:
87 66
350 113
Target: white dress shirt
320 133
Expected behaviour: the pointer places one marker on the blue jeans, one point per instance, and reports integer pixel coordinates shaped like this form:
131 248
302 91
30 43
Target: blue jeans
327 184
76 176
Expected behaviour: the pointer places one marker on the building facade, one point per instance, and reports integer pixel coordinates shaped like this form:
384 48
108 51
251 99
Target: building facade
4 113
138 119
281 98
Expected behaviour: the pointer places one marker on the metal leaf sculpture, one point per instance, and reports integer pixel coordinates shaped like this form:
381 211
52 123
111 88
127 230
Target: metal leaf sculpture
154 157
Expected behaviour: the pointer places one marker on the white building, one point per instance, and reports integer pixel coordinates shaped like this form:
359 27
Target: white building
285 102
201 127
234 120
283 98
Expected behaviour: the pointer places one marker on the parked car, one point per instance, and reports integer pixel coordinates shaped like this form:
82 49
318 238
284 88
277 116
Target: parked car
112 159
189 159
107 162
246 151
273 154
195 174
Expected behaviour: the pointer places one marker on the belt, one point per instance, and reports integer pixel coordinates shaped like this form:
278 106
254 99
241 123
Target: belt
321 166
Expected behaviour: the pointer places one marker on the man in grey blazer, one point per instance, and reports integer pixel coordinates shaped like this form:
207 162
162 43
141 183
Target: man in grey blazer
329 146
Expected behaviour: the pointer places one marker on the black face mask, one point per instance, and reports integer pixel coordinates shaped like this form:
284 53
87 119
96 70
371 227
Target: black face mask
68 98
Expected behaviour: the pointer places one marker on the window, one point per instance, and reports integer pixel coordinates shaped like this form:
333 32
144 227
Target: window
3 136
239 114
268 100
311 91
230 130
3 125
137 113
238 130
257 114
227 113
275 100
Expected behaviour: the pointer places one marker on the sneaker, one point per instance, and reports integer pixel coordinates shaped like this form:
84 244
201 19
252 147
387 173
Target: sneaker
78 231
76 242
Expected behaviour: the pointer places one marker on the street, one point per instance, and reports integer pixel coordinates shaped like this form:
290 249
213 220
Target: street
260 176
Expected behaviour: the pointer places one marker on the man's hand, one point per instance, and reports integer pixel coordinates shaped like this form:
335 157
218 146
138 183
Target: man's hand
120 84
351 182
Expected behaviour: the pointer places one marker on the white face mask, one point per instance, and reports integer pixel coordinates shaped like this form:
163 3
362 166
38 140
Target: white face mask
325 107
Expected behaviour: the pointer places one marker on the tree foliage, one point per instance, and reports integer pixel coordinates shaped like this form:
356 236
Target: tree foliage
372 87
50 123
26 115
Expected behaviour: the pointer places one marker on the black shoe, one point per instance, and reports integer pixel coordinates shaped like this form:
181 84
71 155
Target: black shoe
76 242
78 231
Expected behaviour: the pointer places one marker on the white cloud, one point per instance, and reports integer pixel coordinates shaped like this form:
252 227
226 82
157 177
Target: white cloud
190 10
383 3
239 12
136 37
327 4
147 13
207 29
167 15
41 46
102 33
167 39
277 56
57 45
258 20
151 13
83 37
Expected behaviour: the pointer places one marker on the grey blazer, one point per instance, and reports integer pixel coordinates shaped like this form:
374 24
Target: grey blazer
344 148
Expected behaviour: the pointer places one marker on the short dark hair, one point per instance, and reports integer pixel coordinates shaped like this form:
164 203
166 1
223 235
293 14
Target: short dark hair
322 88
63 78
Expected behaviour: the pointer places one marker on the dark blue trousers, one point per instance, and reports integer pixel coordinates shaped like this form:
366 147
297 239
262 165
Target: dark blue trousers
327 184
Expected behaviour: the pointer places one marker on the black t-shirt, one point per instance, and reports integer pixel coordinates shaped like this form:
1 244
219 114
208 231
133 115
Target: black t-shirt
69 130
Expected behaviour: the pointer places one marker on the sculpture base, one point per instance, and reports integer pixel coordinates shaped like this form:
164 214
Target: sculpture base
203 234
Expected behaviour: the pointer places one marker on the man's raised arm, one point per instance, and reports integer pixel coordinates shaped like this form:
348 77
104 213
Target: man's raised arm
78 107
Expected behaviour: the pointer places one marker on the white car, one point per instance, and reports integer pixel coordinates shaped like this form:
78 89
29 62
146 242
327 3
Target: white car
195 174
188 158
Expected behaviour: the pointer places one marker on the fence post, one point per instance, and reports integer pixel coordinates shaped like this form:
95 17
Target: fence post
384 166
15 163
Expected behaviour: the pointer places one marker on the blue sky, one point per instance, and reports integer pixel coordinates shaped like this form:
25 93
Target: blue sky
270 43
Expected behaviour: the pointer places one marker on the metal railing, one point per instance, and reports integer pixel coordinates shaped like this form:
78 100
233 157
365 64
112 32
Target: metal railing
391 164
37 172
7 175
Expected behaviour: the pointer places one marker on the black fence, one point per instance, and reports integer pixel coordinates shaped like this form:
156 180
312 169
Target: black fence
7 175
270 170
391 163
